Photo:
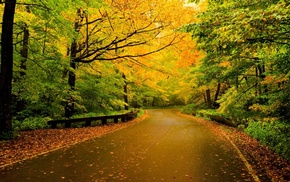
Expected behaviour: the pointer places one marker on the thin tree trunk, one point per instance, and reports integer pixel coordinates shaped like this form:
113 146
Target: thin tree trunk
6 66
262 75
20 105
208 99
126 100
204 97
257 82
260 78
69 107
217 92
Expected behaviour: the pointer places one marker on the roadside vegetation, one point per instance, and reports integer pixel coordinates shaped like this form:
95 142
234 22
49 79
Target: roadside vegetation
243 79
74 59
274 134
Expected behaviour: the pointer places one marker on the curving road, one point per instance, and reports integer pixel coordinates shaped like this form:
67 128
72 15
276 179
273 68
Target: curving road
166 146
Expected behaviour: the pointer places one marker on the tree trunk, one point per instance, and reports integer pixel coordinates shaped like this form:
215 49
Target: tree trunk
69 107
126 100
257 82
208 99
262 75
70 103
204 97
20 105
6 66
215 104
217 92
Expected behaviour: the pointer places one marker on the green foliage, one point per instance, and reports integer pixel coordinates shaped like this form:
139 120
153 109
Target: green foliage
208 112
247 49
189 109
31 123
233 105
100 92
86 115
8 135
141 112
275 134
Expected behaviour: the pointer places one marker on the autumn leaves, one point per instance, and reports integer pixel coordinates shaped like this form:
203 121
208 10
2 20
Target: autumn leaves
79 50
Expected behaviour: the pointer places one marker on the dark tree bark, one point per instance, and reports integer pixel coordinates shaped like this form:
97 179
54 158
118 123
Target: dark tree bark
20 105
257 82
126 100
262 76
208 99
217 92
204 97
6 66
69 107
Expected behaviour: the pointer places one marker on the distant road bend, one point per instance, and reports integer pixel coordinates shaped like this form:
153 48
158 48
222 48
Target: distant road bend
166 146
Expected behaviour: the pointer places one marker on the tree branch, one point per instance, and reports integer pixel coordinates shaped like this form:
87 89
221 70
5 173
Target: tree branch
99 58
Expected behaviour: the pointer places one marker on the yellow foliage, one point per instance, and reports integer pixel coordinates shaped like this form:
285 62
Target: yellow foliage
265 109
225 64
274 79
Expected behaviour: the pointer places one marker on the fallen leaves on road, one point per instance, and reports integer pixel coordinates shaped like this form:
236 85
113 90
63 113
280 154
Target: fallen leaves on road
33 143
262 159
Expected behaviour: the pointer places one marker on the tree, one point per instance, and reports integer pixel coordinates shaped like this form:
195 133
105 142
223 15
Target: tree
20 103
243 42
123 27
50 53
6 65
69 107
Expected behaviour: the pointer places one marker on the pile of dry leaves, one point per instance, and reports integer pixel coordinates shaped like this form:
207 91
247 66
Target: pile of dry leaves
262 159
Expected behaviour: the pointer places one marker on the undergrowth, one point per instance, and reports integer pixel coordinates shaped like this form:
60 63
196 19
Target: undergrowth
274 134
8 135
31 123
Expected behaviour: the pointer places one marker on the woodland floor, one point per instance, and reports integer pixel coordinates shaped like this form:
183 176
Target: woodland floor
33 143
261 158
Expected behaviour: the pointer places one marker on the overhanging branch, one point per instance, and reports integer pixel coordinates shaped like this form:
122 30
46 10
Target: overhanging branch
98 57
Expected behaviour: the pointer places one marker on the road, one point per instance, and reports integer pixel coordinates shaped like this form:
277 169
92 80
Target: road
166 146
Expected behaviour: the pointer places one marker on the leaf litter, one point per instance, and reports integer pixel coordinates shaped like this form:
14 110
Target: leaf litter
38 142
263 160
33 143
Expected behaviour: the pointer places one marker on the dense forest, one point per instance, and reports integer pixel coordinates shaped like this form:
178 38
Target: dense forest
70 58
244 76
75 58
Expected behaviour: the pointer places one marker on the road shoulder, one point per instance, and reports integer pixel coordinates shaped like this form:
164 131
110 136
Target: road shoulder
267 165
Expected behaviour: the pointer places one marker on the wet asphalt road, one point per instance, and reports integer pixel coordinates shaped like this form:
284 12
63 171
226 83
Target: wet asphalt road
166 146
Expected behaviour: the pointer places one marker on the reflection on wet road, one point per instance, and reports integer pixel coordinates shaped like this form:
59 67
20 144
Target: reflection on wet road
165 147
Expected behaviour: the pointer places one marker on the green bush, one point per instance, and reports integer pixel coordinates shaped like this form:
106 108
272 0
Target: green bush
274 134
141 112
188 109
208 112
8 135
87 115
31 123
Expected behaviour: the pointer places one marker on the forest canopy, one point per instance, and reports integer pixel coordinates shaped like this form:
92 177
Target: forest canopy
243 79
75 57
247 57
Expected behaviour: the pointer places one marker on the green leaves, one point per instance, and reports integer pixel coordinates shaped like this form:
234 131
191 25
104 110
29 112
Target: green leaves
246 44
272 133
